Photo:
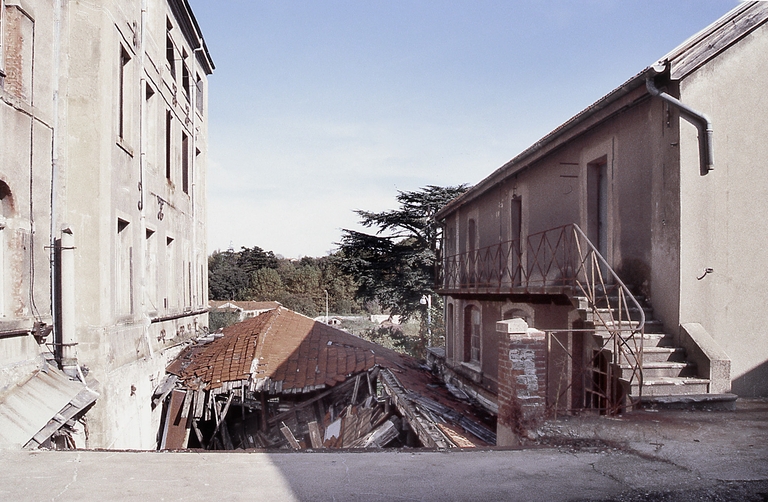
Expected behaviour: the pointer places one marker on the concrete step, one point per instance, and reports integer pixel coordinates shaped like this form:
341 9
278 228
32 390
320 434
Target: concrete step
669 386
651 325
713 402
656 355
657 370
650 340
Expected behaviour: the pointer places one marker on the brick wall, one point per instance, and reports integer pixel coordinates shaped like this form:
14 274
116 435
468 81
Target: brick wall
522 380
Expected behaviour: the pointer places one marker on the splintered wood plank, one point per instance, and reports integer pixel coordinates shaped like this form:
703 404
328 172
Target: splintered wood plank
289 436
314 435
357 388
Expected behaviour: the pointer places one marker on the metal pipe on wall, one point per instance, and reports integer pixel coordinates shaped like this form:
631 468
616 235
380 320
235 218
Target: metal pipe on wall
698 119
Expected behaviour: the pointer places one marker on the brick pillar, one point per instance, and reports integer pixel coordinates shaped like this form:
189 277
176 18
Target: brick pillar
522 380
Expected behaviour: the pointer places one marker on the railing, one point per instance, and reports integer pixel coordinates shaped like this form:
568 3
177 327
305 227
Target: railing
563 261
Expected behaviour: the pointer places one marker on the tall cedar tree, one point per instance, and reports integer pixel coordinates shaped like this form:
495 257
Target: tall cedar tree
397 264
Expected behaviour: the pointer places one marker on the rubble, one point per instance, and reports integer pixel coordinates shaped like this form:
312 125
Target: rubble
283 380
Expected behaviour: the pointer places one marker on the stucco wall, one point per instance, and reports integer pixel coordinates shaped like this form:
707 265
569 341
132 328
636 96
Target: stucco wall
724 214
26 136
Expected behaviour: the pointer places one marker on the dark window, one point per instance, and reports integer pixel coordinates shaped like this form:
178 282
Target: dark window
170 51
185 162
471 334
186 81
125 58
168 121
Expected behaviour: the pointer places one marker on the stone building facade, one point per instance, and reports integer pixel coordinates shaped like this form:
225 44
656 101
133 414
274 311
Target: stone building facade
103 127
655 191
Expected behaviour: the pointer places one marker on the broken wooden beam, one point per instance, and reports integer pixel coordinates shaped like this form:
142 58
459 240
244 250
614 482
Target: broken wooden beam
290 437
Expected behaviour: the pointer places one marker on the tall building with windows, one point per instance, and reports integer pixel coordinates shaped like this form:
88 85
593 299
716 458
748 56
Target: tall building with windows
103 141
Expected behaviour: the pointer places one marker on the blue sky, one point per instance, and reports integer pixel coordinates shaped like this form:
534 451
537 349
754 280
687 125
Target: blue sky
318 108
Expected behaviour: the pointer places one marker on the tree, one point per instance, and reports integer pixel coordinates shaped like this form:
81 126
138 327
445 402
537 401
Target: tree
396 265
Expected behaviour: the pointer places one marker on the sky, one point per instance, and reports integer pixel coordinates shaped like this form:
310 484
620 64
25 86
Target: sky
321 107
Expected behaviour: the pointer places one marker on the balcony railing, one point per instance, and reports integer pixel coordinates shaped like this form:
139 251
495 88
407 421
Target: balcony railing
561 260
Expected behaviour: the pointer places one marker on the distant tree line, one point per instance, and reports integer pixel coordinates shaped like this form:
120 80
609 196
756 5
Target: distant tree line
391 269
300 285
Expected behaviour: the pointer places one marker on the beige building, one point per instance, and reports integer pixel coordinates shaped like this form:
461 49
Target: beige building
103 141
632 235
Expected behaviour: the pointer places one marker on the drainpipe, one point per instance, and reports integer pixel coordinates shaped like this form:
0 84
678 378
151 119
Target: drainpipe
67 313
146 321
698 119
55 165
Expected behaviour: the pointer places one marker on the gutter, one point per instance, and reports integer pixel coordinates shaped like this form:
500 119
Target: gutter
698 119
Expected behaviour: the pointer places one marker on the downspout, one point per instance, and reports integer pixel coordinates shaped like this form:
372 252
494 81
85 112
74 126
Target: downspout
698 119
67 313
146 322
55 290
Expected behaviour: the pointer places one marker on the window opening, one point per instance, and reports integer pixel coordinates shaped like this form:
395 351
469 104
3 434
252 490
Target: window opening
170 51
185 162
168 124
125 58
471 334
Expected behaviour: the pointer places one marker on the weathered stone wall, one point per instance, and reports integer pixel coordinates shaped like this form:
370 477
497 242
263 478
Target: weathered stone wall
522 380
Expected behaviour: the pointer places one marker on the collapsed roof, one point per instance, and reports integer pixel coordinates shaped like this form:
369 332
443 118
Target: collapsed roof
287 371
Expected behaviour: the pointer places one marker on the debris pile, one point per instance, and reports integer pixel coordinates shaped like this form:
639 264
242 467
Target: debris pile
282 380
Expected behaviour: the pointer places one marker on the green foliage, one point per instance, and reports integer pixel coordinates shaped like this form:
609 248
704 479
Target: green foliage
230 273
395 266
253 274
217 320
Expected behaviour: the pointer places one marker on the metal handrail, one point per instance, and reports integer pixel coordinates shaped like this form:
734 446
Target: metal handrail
560 260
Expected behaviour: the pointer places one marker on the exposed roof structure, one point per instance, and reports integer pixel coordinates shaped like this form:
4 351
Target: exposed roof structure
300 361
33 410
280 351
675 65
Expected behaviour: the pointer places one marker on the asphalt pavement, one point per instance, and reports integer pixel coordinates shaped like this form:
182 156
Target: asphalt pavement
670 455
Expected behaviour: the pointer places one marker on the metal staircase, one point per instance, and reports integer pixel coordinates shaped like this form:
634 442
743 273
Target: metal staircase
630 359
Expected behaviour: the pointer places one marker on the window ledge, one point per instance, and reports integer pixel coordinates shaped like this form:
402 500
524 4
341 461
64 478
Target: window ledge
124 146
472 370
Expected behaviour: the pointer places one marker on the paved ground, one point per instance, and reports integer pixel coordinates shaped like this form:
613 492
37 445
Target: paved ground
671 456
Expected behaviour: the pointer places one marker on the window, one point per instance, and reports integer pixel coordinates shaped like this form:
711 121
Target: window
125 58
168 157
170 274
597 205
471 334
449 342
186 80
170 50
150 264
471 249
6 211
185 162
124 269
199 97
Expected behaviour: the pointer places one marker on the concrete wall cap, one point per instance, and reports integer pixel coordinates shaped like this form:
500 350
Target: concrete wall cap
515 325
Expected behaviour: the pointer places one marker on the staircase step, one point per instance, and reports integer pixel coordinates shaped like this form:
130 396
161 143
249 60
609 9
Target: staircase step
650 340
656 355
670 386
656 370
714 402
650 326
